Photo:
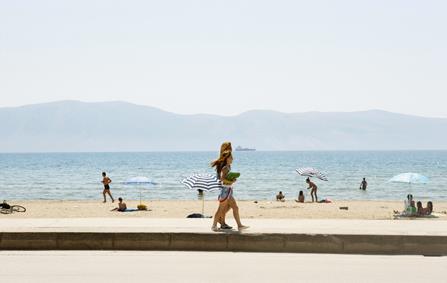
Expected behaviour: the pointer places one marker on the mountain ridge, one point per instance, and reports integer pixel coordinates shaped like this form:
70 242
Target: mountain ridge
74 126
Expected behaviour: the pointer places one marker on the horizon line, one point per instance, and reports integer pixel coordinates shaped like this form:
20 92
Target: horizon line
208 151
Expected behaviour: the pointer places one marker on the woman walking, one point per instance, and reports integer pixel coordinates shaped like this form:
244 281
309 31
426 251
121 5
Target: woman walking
226 199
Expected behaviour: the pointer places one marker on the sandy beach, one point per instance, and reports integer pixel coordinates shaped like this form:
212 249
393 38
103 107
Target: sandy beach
367 210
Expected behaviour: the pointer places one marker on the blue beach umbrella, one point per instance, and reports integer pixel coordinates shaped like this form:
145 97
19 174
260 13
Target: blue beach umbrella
409 178
139 181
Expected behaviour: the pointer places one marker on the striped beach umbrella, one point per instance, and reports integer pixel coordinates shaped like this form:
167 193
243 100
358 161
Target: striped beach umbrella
204 182
311 172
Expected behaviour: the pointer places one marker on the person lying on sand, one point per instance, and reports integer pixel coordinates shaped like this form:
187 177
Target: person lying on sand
280 197
121 206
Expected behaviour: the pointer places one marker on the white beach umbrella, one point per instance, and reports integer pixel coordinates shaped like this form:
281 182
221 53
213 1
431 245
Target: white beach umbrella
311 172
409 178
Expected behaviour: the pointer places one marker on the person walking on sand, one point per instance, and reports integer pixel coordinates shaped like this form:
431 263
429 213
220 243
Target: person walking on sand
363 184
313 190
226 199
106 181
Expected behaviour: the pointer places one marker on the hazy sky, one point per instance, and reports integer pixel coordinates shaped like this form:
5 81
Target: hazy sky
226 57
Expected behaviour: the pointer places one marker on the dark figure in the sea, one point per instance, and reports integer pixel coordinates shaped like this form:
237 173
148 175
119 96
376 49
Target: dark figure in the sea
363 184
106 181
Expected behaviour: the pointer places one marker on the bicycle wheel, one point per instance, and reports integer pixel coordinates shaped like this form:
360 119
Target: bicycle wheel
5 210
18 208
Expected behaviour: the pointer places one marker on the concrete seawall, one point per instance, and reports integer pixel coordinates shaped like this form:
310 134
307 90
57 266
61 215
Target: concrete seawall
264 235
247 242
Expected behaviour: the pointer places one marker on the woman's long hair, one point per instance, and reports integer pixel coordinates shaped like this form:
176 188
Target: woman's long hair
226 146
221 162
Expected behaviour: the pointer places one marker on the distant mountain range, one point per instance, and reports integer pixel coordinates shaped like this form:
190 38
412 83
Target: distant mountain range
73 126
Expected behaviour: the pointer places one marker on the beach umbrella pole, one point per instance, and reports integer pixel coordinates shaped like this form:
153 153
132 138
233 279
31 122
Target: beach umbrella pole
203 204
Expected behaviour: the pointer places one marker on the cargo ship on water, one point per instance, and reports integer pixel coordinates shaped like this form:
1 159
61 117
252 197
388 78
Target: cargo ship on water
240 148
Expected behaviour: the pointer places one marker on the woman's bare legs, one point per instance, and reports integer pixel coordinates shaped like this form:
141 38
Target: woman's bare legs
219 216
235 208
312 193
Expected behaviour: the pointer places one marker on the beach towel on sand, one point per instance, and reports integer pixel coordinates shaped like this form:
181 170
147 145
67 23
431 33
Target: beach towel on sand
406 216
130 210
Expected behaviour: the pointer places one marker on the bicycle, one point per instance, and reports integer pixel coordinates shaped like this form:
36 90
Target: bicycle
12 208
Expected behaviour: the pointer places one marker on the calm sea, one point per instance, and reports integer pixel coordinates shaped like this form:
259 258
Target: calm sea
64 176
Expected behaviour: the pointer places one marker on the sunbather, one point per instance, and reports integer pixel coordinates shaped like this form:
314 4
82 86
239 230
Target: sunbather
411 210
280 196
420 209
408 201
300 197
429 209
121 206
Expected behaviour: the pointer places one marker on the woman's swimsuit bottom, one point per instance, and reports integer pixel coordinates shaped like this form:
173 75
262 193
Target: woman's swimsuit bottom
226 192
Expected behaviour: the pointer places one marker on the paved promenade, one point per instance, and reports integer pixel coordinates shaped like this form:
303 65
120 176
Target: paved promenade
263 226
423 237
165 266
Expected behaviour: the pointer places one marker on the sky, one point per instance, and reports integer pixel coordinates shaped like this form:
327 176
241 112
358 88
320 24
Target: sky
227 57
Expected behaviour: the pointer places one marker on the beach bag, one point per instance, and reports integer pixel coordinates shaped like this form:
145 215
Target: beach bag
195 215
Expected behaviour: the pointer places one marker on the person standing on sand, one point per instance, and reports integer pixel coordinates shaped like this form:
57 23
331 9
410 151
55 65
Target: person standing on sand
363 184
106 181
313 190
